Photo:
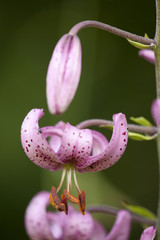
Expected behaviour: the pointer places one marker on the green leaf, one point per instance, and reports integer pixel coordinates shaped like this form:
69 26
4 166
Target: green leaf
141 121
141 211
146 35
140 137
107 126
139 45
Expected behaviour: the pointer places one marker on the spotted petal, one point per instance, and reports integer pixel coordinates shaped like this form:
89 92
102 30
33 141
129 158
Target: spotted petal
79 227
36 222
148 234
34 143
99 143
121 228
76 145
115 148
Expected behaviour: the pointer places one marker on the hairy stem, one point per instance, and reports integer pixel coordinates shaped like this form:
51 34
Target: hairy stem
131 127
114 211
114 30
157 70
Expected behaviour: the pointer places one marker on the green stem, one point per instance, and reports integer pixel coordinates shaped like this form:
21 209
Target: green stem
157 70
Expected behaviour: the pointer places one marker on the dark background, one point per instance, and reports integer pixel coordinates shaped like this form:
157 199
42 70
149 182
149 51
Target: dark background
114 79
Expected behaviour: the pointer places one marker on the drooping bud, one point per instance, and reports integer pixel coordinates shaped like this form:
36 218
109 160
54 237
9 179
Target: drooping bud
147 55
63 73
155 110
148 234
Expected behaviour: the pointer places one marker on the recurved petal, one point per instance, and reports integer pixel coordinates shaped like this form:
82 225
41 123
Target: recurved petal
147 55
99 142
76 145
115 148
55 141
34 143
155 110
148 234
36 223
63 73
121 227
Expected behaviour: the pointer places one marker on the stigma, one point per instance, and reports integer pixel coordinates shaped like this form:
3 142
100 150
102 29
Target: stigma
62 204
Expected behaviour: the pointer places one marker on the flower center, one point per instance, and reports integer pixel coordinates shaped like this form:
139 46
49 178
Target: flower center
61 205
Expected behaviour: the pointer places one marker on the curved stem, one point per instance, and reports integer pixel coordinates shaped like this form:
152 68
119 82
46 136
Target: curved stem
114 30
131 127
114 211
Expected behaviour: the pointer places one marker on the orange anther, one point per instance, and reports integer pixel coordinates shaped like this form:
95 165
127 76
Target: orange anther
70 197
82 202
56 203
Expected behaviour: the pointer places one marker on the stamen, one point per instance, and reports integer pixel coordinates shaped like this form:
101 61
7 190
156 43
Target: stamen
75 181
82 202
55 196
62 180
69 178
70 197
56 203
64 200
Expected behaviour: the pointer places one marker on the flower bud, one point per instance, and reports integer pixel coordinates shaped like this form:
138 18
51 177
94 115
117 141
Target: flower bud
63 73
147 55
155 110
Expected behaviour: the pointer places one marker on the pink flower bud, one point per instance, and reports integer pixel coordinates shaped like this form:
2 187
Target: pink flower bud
147 55
155 110
63 73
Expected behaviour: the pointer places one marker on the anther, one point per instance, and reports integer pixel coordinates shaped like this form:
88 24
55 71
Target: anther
82 202
70 197
56 203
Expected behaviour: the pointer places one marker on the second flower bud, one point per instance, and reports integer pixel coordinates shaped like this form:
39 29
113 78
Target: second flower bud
63 73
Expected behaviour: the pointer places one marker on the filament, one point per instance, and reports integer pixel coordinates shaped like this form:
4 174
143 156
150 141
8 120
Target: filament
69 176
62 180
75 181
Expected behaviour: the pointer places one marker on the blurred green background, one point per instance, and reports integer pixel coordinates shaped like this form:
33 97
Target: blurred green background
114 79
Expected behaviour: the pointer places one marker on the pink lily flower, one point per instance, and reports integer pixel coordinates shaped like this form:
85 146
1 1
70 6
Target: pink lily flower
63 73
71 149
41 224
148 234
147 55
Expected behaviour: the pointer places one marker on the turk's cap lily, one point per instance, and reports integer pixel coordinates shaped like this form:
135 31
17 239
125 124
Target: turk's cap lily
41 224
84 149
155 110
72 149
147 55
63 73
148 234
